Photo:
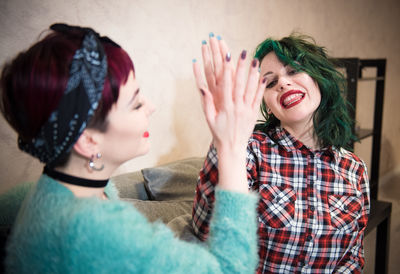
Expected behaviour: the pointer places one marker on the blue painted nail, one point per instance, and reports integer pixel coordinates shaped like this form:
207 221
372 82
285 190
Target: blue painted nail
211 34
204 42
219 37
259 69
194 60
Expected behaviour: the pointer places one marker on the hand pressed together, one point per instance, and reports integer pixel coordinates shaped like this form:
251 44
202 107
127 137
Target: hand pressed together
231 97
230 100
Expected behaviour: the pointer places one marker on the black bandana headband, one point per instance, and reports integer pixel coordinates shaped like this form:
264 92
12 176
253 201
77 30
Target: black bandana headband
78 103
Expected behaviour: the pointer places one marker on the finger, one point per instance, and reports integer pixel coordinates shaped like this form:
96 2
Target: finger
224 50
216 56
207 101
259 94
197 75
252 82
240 79
227 83
208 68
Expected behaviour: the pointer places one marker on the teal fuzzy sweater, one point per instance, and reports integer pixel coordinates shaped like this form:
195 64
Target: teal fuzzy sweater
56 232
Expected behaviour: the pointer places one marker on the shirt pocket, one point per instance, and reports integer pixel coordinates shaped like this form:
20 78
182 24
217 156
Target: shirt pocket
277 206
344 211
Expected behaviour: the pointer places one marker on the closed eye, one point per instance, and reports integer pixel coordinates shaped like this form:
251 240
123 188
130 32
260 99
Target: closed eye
291 71
272 83
137 106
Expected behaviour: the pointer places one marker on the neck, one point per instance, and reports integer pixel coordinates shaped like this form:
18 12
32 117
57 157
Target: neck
87 183
304 133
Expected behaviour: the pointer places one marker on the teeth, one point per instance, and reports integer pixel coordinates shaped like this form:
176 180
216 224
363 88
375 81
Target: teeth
292 98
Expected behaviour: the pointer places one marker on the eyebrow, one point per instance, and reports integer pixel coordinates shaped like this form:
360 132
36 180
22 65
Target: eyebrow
134 96
270 72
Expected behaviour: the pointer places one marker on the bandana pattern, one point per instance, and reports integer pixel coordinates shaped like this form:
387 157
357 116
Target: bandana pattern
77 105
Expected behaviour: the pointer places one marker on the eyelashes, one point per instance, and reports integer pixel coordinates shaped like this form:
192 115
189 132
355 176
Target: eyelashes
289 71
138 106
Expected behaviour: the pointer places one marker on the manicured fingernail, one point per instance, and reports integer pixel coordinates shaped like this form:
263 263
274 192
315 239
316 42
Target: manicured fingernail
259 69
254 63
194 60
204 42
228 57
264 80
202 92
243 54
211 34
219 37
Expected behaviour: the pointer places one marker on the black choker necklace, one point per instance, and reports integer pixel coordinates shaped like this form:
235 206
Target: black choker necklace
72 179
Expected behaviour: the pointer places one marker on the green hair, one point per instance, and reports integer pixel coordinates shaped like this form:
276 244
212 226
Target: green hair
332 122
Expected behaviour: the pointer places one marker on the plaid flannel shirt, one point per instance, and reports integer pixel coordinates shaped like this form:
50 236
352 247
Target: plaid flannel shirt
313 207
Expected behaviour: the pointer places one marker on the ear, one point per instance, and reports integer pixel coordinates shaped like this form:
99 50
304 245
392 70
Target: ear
88 143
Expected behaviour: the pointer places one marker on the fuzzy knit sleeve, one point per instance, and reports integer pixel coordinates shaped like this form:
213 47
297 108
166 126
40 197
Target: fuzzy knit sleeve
116 238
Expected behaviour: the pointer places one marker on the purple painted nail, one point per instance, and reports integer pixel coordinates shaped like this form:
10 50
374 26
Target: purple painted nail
243 54
202 92
254 63
228 57
264 80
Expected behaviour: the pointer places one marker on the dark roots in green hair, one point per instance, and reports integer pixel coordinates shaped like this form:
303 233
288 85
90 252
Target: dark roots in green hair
332 122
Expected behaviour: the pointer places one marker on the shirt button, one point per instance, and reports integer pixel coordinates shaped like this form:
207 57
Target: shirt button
312 208
309 238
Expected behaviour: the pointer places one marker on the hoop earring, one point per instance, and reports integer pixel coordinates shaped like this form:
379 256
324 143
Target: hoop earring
269 111
92 164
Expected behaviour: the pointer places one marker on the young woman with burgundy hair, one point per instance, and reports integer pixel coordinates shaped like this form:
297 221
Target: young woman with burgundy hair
75 103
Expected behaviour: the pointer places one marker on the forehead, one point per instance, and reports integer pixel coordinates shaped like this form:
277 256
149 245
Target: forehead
126 90
271 63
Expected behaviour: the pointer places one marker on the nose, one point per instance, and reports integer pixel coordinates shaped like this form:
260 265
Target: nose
283 83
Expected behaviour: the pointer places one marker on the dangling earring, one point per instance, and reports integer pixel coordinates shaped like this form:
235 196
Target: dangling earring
269 111
92 164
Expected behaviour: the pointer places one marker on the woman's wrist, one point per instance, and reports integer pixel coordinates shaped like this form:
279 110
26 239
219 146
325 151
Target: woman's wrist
232 173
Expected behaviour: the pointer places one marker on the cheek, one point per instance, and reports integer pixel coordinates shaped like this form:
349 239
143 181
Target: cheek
268 99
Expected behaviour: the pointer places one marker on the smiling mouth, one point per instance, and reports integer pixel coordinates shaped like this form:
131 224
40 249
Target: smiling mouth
291 98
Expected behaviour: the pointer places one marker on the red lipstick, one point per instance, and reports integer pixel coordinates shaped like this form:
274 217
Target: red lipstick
291 98
146 134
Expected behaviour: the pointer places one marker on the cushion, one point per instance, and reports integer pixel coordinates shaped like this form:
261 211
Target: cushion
175 214
130 185
173 181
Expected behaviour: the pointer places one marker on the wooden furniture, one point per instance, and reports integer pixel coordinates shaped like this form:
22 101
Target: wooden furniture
380 211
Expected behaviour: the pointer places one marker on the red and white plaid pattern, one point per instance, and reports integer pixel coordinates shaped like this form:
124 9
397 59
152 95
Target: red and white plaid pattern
313 209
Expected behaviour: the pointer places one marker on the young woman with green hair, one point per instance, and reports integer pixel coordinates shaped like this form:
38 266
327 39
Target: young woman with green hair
314 192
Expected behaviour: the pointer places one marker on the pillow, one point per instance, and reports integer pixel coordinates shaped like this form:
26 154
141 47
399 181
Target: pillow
164 211
130 185
175 214
173 181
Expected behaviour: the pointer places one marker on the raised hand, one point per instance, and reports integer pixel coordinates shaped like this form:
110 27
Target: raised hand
230 99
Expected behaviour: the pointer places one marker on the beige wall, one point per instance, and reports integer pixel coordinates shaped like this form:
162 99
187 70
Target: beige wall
163 37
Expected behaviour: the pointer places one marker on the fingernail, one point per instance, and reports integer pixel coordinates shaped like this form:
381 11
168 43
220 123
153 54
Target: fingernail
194 60
219 37
204 42
259 69
254 63
211 34
264 80
202 92
243 54
228 57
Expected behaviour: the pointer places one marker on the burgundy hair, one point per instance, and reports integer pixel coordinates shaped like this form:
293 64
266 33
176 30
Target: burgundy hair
33 83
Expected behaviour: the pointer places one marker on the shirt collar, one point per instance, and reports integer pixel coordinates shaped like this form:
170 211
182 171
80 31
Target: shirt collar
289 143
